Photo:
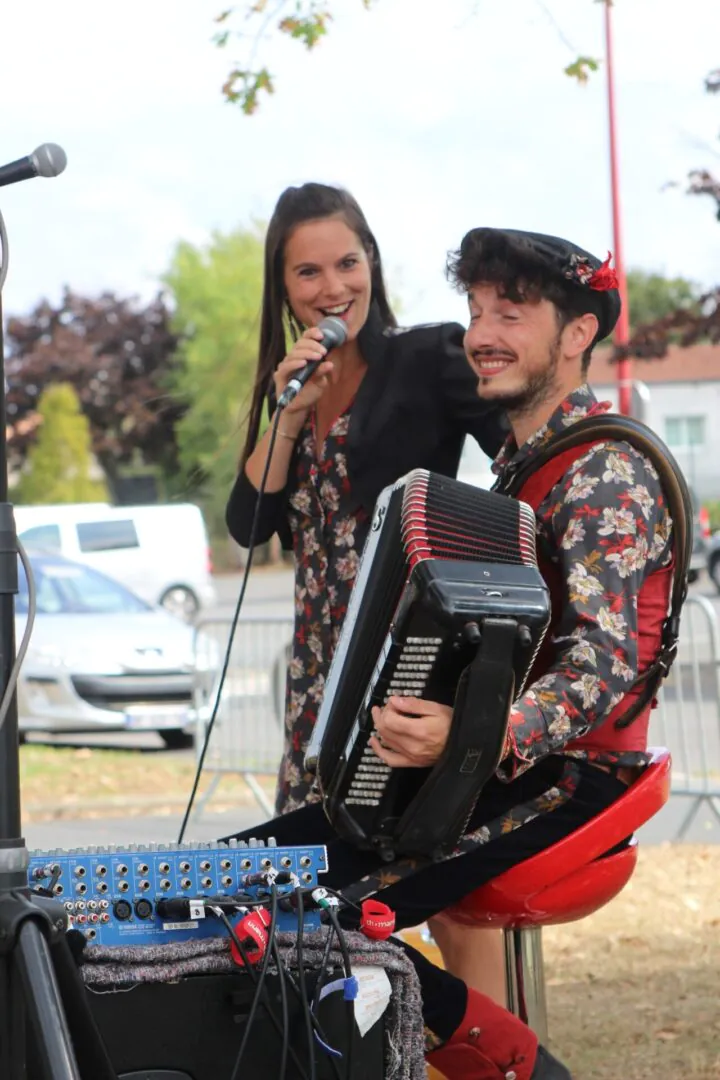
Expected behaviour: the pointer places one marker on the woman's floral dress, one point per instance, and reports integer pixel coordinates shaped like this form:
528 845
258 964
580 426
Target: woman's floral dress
329 530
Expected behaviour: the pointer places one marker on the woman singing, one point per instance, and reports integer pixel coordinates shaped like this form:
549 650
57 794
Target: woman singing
385 402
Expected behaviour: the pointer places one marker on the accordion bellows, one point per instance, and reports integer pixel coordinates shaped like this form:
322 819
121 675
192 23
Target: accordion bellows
449 606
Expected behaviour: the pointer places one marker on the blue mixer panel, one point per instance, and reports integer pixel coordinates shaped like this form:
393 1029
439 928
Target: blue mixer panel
110 893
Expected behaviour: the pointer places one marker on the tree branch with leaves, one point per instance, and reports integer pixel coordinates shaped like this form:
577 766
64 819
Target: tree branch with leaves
308 22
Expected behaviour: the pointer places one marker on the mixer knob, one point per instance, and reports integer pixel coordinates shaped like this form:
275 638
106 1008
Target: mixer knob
254 842
132 847
272 842
232 842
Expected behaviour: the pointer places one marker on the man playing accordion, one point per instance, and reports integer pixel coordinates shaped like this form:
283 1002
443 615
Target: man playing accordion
537 307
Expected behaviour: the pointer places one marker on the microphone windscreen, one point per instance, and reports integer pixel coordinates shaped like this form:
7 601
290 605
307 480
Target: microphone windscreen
334 331
49 159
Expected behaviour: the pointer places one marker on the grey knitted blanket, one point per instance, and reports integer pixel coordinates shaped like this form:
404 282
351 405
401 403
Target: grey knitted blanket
107 968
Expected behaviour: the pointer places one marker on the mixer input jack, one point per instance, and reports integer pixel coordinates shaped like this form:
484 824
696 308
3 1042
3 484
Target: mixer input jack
143 909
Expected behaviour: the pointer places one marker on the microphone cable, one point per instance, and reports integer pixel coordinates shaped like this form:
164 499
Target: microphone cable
332 912
302 983
259 986
233 626
285 1012
334 332
323 971
317 1027
281 1029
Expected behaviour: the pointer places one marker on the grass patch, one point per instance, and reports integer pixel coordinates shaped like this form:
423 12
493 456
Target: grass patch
83 782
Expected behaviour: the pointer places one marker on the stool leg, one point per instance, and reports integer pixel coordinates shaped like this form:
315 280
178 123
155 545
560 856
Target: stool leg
526 978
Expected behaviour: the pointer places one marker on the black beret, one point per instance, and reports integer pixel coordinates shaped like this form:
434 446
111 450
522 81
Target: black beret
577 268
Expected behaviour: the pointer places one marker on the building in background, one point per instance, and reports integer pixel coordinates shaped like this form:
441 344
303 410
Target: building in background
679 398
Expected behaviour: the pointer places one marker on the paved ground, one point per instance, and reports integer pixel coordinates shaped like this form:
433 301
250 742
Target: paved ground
269 596
705 828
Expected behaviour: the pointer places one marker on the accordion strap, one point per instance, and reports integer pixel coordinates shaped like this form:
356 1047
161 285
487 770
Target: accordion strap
588 432
474 747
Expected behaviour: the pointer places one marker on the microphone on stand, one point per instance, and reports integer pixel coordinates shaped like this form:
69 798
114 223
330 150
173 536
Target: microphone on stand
47 160
334 333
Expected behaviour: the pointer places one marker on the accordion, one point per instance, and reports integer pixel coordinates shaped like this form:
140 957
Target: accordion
448 605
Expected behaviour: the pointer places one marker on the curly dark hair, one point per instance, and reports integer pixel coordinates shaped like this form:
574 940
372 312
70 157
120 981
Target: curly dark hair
523 276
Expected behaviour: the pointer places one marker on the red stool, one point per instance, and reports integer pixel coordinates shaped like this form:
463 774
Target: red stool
568 881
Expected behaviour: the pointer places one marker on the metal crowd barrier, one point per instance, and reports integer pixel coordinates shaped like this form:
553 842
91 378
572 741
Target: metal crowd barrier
248 734
247 737
687 719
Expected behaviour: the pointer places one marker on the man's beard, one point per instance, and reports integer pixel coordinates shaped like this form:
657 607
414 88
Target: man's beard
540 387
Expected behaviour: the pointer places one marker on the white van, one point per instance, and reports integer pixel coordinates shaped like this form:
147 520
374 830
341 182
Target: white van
475 466
161 553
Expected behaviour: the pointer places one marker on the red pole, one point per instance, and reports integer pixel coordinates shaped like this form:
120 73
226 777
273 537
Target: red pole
622 330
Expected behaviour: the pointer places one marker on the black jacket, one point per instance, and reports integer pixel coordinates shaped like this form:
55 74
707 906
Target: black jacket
415 405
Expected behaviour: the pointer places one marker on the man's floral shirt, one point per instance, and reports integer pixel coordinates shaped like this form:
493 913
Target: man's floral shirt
606 527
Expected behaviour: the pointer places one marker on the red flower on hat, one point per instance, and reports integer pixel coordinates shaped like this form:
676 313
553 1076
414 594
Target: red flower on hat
604 277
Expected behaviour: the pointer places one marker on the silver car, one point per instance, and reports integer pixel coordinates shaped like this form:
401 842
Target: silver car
102 659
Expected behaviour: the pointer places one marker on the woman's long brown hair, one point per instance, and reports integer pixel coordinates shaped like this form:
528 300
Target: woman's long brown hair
295 206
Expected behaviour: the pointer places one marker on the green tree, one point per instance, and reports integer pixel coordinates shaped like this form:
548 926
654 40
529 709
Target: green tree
652 296
216 291
58 467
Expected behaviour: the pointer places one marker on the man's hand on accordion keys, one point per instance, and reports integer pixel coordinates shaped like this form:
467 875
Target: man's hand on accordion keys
410 733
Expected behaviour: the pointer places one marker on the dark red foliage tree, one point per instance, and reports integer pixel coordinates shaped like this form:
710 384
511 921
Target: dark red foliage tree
118 354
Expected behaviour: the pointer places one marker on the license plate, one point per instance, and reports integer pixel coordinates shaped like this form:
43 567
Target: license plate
155 721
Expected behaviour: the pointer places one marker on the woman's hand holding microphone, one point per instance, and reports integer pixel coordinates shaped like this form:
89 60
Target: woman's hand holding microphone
307 349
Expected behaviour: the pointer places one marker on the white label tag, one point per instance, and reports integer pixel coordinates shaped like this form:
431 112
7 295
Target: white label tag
180 926
197 909
374 992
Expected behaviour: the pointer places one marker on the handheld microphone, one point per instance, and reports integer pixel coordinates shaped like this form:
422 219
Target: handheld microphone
48 160
334 333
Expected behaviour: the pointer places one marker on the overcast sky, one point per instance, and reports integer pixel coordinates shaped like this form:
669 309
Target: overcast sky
436 122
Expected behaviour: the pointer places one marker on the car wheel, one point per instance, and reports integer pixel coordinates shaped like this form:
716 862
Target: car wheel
176 739
714 571
181 601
